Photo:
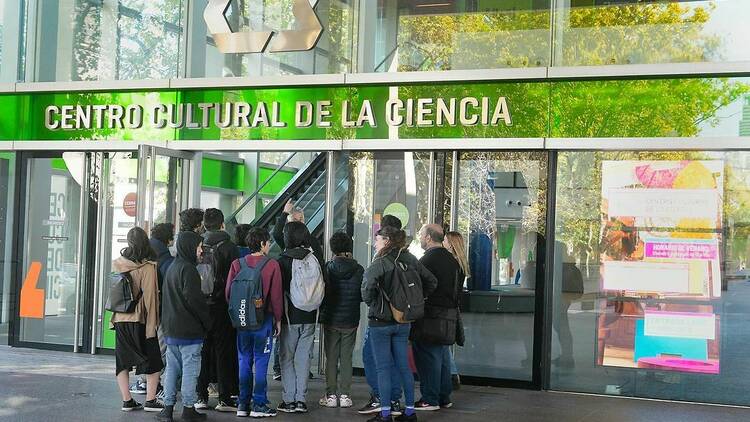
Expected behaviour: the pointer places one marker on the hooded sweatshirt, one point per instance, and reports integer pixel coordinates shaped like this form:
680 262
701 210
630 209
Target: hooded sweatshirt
343 293
145 281
185 311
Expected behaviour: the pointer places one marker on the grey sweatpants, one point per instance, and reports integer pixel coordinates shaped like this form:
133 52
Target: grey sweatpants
296 345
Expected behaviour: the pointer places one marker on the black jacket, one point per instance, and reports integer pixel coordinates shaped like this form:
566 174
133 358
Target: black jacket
185 311
163 257
293 315
278 237
379 274
441 263
343 293
225 254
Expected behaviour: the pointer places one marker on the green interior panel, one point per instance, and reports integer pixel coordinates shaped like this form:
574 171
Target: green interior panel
59 164
222 174
108 336
276 184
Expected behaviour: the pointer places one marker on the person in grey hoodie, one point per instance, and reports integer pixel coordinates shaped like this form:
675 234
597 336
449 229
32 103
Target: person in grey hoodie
185 321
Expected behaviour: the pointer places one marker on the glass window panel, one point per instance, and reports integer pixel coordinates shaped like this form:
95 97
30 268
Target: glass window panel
650 278
402 36
502 221
635 32
12 40
109 40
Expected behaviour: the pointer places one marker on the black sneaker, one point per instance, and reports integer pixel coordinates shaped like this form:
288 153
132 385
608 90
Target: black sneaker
189 414
166 414
277 376
153 406
379 418
130 405
423 405
301 407
404 418
287 407
262 411
226 406
396 408
372 406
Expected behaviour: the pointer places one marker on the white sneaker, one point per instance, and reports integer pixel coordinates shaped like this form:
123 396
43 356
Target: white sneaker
345 401
329 401
200 405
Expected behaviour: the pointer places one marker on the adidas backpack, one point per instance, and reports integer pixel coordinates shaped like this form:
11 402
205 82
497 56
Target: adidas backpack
307 287
247 307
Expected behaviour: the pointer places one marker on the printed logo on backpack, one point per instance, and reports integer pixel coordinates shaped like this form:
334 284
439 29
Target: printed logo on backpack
247 292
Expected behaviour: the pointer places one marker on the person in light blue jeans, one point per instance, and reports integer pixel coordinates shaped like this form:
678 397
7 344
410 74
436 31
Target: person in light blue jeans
183 360
389 346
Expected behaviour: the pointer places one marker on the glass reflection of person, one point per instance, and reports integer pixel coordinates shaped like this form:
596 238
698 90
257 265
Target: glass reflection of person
571 291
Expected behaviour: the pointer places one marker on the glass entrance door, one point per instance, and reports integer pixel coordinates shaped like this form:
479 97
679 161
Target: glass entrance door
165 178
55 238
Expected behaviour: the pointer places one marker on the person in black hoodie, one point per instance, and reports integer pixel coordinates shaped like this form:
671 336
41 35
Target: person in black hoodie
185 321
389 338
432 335
220 348
298 328
340 319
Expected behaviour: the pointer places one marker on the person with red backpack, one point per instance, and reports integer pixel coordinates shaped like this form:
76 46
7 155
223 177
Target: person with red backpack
394 289
254 295
304 287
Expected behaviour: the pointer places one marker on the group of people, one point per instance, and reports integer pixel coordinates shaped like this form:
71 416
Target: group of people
211 307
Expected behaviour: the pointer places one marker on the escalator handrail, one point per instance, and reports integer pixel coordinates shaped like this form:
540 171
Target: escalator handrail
263 185
268 214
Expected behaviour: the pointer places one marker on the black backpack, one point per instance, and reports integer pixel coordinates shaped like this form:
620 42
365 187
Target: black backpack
247 306
207 268
122 299
405 296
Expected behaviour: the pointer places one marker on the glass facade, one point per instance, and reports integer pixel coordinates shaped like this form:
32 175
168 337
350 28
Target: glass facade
136 39
7 188
650 280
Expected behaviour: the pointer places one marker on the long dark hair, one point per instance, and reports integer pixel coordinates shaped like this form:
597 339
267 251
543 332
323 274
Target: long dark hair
395 239
138 249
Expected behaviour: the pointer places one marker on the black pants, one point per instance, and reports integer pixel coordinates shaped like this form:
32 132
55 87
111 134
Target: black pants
219 356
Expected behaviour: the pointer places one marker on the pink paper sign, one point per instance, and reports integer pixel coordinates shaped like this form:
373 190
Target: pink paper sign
673 250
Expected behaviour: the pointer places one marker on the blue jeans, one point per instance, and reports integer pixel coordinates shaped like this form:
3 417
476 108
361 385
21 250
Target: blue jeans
389 346
254 347
434 368
371 372
185 362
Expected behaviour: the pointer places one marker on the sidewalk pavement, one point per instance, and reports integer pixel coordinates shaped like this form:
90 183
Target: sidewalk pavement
40 386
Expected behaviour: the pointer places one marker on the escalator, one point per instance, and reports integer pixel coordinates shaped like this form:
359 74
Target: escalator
307 190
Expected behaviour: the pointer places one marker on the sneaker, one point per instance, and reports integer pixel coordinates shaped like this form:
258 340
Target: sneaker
396 408
329 401
372 406
189 414
404 418
301 407
226 406
262 411
423 405
153 406
166 414
446 405
160 392
213 390
130 405
138 387
380 418
345 401
201 404
277 376
287 407
242 410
